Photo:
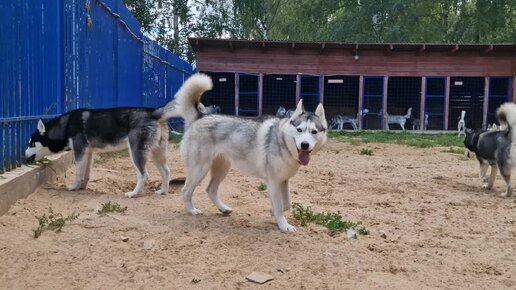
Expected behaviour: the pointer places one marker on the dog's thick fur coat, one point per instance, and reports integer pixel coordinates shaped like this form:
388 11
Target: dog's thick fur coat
496 148
268 147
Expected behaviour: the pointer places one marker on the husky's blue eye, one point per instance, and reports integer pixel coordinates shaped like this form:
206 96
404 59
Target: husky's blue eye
299 130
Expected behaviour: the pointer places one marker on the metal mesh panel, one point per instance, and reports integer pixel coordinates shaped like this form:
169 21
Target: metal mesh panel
278 90
435 102
466 93
223 92
499 89
404 93
248 95
310 92
341 96
373 102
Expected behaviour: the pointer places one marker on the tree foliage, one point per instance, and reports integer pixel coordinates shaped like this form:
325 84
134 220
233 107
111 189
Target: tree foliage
171 22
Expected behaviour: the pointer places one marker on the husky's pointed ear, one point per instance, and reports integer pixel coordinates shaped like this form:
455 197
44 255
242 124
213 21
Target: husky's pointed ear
319 112
299 110
41 127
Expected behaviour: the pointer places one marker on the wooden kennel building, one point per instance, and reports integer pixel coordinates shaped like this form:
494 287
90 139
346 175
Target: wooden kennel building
252 78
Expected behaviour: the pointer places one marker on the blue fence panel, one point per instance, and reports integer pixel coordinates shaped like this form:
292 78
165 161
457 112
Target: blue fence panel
59 55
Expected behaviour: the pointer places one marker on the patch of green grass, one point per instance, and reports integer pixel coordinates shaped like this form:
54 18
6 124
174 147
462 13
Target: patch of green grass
111 207
54 222
402 138
355 142
455 150
262 186
366 151
43 162
332 221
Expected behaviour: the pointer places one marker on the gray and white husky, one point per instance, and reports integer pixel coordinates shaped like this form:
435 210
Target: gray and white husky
339 121
270 148
143 130
398 119
496 148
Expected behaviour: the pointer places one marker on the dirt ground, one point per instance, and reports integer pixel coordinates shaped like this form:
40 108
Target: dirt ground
443 230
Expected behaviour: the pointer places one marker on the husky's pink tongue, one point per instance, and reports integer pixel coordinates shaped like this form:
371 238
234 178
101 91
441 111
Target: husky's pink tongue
304 157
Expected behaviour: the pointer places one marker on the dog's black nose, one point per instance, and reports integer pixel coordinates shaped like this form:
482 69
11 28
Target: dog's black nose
305 146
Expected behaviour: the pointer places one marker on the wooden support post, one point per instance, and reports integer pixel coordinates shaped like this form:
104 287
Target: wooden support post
360 101
422 104
384 101
298 87
486 102
514 88
260 94
237 90
321 89
446 102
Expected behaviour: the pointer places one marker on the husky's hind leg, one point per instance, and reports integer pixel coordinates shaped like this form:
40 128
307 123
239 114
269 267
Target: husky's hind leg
483 172
159 156
285 195
492 177
139 158
89 163
506 174
219 169
197 165
276 198
80 154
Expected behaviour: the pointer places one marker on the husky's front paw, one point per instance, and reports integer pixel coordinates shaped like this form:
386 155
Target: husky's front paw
288 228
160 191
194 211
487 186
73 187
130 194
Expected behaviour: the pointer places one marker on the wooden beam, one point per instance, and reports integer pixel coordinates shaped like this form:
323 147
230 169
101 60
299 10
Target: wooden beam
360 102
384 101
486 102
198 44
260 94
514 88
298 87
355 49
446 102
237 92
321 89
422 105
292 47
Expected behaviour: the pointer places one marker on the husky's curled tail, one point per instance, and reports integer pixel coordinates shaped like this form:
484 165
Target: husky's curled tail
506 115
187 103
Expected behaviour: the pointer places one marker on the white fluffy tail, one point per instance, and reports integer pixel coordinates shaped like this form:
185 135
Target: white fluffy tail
187 100
506 115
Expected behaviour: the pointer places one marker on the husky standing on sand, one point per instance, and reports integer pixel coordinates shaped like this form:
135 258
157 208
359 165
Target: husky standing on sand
143 130
270 148
496 148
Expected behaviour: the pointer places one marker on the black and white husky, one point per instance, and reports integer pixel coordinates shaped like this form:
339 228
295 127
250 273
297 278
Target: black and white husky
143 130
496 148
270 148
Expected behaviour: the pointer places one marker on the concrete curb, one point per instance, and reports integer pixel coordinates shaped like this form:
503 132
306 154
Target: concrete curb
22 181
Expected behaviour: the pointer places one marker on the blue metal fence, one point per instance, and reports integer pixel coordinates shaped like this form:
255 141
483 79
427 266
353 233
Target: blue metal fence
59 55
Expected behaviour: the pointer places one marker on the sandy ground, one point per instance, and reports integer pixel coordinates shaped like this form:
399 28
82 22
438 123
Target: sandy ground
443 231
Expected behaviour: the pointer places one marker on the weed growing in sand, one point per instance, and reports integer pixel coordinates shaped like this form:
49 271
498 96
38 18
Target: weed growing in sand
195 280
262 186
366 151
45 162
111 207
332 221
54 222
